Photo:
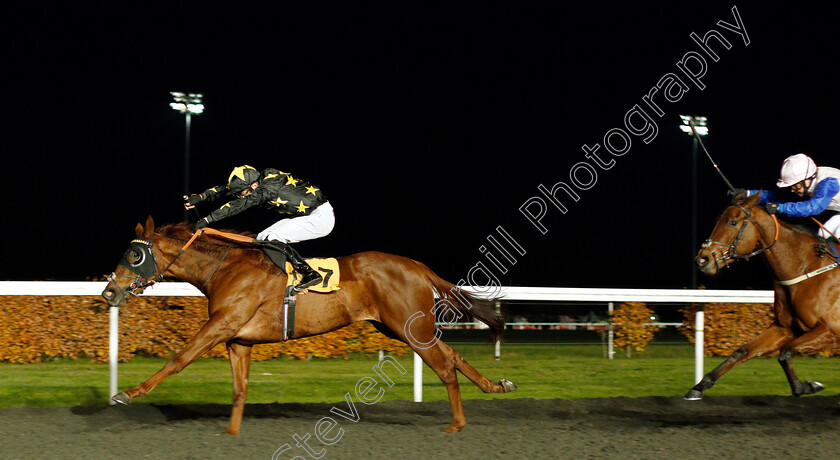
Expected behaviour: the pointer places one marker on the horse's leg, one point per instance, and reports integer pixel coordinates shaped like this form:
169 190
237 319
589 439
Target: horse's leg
772 339
240 365
817 339
427 346
482 382
444 367
215 331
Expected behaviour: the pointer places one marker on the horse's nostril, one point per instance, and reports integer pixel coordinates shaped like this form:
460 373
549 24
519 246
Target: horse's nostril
701 261
108 293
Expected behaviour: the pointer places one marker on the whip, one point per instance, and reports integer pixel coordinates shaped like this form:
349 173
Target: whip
690 122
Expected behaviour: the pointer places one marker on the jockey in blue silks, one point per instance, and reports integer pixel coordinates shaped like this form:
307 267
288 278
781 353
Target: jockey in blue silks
820 184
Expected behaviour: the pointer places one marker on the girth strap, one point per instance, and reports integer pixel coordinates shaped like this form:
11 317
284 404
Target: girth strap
809 275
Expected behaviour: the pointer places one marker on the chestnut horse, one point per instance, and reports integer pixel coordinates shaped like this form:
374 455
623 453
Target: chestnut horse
245 293
806 300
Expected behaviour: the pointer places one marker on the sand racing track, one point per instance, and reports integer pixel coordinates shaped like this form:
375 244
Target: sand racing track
764 427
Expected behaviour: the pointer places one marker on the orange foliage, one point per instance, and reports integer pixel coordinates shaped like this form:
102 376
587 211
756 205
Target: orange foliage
727 326
630 321
34 328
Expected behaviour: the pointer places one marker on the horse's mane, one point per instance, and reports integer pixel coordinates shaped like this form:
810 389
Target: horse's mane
217 246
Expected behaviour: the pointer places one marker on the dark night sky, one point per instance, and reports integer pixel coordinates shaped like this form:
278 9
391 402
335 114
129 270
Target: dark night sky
426 126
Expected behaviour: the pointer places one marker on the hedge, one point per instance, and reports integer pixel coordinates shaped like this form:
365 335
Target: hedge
727 326
630 323
35 328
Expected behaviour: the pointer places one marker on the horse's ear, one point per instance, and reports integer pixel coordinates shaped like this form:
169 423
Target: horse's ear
138 230
150 228
753 199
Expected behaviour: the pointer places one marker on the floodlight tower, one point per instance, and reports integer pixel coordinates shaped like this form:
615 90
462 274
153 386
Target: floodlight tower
695 127
693 124
188 104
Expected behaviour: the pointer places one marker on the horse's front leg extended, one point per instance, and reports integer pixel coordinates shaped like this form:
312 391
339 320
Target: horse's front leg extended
215 331
772 339
817 339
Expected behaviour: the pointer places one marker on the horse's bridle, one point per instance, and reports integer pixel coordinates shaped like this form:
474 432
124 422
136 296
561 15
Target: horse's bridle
730 252
140 260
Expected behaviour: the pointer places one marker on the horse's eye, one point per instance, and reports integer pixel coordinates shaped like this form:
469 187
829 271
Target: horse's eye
733 223
134 257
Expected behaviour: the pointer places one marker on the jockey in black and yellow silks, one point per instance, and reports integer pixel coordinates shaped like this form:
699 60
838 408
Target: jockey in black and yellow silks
306 212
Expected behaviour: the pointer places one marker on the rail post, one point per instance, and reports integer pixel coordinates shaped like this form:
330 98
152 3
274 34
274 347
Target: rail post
698 344
113 349
610 334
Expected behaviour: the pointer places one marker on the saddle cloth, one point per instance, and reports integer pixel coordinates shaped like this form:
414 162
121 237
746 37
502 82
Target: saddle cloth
328 268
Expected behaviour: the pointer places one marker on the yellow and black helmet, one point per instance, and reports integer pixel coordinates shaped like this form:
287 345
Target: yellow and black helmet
241 178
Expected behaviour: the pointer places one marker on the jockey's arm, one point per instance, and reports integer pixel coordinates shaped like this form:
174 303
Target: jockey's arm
234 207
210 194
767 196
823 194
214 193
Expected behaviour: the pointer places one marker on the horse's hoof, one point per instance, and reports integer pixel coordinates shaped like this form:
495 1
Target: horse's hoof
813 387
121 398
453 428
807 388
508 385
693 395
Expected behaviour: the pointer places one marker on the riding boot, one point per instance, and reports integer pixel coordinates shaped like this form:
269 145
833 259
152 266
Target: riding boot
309 276
276 251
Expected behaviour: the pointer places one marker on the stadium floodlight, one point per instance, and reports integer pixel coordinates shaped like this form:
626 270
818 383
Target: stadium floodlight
187 103
699 123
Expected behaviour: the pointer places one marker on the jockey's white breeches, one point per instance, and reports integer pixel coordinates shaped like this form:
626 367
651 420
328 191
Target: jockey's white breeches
294 229
832 225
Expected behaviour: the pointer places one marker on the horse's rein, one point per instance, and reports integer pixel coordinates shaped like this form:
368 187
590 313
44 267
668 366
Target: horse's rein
211 231
824 229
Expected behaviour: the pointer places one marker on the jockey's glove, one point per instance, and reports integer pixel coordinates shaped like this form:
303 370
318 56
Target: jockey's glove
773 208
203 222
193 199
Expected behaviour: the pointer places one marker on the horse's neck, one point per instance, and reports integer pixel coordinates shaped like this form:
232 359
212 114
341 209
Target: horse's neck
792 253
194 266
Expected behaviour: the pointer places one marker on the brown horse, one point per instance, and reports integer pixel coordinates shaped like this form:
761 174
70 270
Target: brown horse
245 295
806 294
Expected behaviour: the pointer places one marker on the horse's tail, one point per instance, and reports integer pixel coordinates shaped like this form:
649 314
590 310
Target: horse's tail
481 308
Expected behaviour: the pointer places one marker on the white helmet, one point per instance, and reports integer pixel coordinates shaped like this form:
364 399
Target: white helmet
795 169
